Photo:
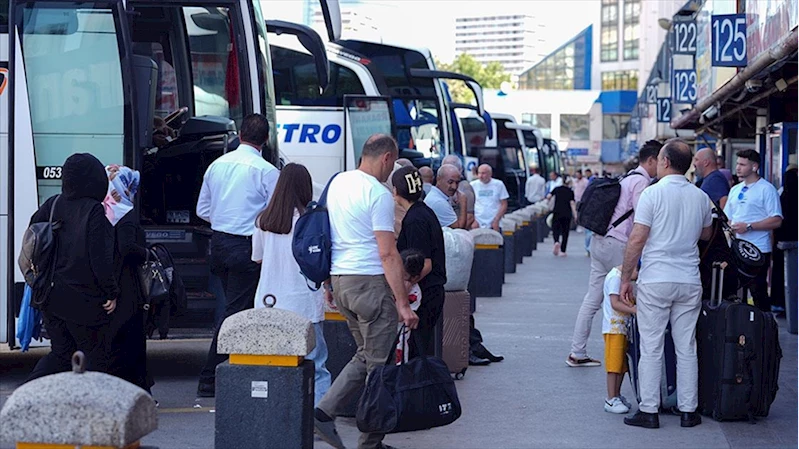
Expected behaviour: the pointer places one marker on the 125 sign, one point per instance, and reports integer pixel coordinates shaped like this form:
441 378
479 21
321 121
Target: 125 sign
685 38
684 86
664 110
729 40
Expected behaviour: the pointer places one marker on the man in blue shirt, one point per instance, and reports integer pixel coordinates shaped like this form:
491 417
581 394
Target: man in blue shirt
714 183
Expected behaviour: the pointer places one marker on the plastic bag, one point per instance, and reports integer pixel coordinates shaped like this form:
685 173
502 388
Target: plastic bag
459 252
29 323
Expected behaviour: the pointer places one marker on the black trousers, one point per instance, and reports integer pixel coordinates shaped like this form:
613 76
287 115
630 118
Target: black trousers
429 312
127 354
66 338
231 260
778 277
759 287
560 228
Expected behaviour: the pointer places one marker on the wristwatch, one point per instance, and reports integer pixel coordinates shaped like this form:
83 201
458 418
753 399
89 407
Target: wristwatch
748 227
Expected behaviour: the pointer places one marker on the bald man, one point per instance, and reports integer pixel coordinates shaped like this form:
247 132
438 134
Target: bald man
439 198
491 198
714 183
465 192
427 178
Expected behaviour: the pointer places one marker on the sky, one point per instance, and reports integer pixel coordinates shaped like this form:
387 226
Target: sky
431 23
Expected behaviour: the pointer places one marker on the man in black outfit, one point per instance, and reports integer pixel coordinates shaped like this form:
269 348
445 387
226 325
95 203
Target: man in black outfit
236 187
563 214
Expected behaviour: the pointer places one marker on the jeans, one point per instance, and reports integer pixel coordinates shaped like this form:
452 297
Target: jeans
606 253
368 305
66 338
319 357
588 234
659 304
231 260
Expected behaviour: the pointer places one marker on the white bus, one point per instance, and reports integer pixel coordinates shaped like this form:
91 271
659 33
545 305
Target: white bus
96 77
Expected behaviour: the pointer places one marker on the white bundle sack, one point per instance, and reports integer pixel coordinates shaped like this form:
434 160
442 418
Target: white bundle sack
459 252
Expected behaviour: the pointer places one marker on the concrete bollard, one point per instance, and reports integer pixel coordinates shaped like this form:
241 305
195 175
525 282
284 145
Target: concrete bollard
341 349
508 229
77 410
265 392
534 219
527 233
790 253
518 253
488 265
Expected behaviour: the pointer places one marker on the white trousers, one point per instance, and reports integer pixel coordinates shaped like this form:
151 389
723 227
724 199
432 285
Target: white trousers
659 304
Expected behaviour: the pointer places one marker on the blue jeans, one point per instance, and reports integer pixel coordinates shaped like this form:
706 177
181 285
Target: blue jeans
588 235
318 356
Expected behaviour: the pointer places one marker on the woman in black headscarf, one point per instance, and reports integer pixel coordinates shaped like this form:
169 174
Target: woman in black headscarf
787 232
76 312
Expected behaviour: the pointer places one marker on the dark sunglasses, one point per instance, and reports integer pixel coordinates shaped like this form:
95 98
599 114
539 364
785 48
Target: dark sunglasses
741 195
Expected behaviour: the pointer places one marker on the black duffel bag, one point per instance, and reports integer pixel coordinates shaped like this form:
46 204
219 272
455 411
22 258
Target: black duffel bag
415 395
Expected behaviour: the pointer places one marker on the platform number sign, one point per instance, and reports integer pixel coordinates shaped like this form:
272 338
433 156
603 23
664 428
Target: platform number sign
684 38
684 85
651 94
664 110
729 40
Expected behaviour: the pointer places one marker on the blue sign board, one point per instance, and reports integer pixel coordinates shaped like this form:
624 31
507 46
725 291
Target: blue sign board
577 151
664 110
729 40
684 37
683 86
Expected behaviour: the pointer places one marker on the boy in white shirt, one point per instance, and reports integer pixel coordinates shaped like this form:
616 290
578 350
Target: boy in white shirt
615 322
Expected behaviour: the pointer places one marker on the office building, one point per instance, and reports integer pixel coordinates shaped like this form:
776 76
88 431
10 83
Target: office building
509 39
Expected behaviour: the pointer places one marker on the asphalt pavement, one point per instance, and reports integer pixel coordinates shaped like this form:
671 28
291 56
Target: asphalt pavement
530 400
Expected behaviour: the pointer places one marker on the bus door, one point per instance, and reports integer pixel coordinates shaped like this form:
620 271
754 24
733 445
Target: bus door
363 117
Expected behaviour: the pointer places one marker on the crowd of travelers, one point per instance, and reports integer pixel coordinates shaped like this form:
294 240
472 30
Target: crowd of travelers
386 220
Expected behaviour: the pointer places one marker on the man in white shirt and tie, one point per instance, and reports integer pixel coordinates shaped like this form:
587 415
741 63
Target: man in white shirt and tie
236 187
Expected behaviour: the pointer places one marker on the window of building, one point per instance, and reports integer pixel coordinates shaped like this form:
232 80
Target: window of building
632 19
609 32
543 122
614 126
620 80
574 127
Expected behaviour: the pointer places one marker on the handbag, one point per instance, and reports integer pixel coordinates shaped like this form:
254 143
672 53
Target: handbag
154 280
415 395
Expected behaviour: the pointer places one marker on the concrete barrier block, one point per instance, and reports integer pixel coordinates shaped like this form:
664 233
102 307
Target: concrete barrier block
482 236
266 331
78 409
507 225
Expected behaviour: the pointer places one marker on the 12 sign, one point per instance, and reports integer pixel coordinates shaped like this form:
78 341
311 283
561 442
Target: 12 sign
684 85
729 40
664 110
684 38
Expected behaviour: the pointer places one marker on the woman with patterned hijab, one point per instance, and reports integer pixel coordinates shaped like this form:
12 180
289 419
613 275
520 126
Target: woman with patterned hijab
128 346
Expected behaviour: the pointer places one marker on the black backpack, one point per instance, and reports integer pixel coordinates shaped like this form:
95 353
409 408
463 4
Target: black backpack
599 202
38 255
311 244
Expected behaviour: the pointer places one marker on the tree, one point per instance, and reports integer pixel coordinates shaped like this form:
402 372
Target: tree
490 76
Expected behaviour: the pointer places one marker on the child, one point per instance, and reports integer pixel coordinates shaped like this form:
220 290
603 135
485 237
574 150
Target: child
413 263
616 317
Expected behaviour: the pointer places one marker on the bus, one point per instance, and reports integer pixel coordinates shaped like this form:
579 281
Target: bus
158 86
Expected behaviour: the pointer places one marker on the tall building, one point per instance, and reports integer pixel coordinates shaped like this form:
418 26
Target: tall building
509 39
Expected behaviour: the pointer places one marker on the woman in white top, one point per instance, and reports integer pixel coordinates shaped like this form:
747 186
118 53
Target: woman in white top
280 274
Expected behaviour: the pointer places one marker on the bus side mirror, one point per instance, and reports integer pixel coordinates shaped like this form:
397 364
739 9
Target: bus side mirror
312 42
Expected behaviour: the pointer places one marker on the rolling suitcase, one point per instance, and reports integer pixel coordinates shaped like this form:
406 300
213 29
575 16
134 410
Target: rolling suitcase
668 375
739 357
455 332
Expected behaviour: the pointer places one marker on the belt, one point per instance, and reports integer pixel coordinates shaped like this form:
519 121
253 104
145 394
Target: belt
247 237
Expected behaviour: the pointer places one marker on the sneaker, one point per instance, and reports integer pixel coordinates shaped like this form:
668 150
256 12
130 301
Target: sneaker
625 401
585 361
563 254
328 433
556 248
616 406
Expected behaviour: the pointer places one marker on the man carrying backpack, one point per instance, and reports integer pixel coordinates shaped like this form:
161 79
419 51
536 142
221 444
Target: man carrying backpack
607 251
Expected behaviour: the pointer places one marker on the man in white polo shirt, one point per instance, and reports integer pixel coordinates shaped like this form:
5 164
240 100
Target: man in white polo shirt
670 219
438 199
491 198
753 207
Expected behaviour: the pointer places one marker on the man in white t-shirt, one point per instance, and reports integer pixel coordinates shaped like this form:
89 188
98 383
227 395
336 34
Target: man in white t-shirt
439 197
536 187
670 218
491 198
366 277
753 207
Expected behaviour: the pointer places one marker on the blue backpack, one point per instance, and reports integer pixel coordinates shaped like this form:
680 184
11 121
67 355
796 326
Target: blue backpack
311 244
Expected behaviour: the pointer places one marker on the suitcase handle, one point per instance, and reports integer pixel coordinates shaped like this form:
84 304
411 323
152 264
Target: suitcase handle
717 288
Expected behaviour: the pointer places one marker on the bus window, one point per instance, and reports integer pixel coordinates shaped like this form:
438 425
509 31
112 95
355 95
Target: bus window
296 83
3 16
506 137
74 77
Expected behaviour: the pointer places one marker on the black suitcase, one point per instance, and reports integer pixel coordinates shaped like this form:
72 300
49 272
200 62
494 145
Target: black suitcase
739 357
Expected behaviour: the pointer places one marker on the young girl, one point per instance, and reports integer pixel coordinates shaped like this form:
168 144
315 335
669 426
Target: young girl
616 319
280 274
413 262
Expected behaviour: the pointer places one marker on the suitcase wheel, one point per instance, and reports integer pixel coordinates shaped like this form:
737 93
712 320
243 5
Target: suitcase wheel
459 375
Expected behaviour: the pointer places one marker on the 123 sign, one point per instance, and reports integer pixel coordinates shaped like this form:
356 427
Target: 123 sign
664 110
684 38
729 40
684 85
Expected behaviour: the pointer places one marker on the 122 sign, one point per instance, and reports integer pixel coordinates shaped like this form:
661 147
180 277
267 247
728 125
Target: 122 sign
684 38
664 110
729 40
684 85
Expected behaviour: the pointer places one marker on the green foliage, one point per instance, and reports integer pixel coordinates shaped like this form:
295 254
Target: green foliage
489 76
